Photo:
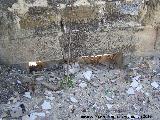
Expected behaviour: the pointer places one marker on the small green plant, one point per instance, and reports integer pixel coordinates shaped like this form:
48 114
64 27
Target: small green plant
67 82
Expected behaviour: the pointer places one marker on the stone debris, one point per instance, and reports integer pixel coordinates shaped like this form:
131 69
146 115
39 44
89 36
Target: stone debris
134 84
83 85
40 78
108 98
28 95
147 94
19 82
16 112
139 87
34 115
26 117
74 100
131 91
87 75
155 84
49 95
136 78
46 105
96 90
109 106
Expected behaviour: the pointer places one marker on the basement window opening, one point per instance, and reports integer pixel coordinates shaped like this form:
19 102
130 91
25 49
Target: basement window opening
35 66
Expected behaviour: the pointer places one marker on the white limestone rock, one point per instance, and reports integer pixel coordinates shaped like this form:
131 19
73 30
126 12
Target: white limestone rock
28 95
46 105
134 84
155 84
33 116
83 85
109 106
40 78
16 112
139 87
87 75
26 117
74 100
130 91
81 2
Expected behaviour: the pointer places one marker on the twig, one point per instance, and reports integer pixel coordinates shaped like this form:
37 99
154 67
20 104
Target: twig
68 56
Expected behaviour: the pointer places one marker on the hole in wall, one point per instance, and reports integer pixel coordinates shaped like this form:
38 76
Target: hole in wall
36 66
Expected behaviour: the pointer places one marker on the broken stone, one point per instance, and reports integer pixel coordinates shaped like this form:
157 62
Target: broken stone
16 112
139 87
46 105
40 78
155 84
134 84
28 95
26 117
98 95
108 98
113 81
136 78
87 75
109 106
19 82
33 116
130 91
74 100
147 94
47 112
49 95
83 85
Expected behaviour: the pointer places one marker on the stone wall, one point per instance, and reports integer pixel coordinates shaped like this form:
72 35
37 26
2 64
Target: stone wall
54 46
22 42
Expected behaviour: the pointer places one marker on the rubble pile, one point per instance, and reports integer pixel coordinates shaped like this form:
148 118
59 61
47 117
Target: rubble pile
132 92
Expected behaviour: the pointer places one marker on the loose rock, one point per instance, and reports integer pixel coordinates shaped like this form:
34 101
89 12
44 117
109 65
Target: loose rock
155 84
74 100
46 105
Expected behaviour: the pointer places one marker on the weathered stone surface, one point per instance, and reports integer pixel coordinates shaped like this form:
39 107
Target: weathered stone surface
40 32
